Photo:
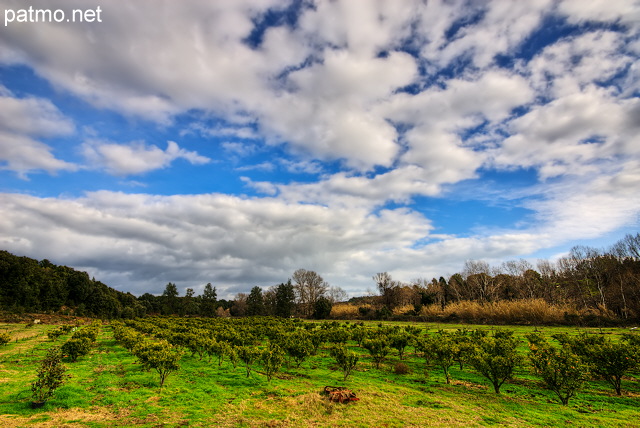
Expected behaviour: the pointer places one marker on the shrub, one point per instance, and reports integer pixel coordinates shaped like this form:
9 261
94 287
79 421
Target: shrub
54 334
337 335
464 346
359 333
5 338
344 311
561 370
383 313
530 311
364 311
317 337
76 347
496 357
50 376
401 368
89 332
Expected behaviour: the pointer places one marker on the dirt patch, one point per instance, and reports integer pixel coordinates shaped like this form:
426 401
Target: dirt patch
469 384
42 318
63 418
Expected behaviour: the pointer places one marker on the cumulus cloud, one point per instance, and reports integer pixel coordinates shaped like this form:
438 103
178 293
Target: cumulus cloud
22 122
484 30
136 157
338 98
572 133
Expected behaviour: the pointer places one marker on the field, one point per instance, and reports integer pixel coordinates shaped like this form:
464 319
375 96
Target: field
108 387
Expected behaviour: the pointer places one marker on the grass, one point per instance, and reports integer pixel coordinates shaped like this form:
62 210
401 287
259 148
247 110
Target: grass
522 311
108 388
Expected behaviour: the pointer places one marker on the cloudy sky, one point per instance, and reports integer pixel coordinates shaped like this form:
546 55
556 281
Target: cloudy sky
236 141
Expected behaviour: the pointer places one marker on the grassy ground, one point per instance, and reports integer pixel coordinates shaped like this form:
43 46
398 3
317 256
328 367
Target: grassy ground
108 388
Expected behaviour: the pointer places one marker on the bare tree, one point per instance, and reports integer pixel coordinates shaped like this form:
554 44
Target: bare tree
336 294
477 274
239 307
387 288
309 287
627 247
522 280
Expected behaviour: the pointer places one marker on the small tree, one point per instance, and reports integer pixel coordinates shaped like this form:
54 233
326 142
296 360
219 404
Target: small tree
347 360
611 361
248 355
562 371
317 337
50 376
159 356
440 350
271 359
5 338
464 346
378 349
399 341
221 349
496 357
298 346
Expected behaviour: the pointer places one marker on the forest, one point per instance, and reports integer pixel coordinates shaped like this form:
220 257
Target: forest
601 284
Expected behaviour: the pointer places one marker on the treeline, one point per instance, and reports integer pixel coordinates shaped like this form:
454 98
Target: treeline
308 296
605 282
28 285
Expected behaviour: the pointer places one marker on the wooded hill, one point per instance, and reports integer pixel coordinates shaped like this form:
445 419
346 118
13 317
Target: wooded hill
28 285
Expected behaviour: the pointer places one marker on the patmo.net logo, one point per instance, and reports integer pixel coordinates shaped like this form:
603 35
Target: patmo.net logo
31 15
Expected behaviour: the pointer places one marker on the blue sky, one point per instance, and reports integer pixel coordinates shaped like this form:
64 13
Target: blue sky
235 142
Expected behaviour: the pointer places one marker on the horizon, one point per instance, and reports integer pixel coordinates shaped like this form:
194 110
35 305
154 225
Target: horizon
233 143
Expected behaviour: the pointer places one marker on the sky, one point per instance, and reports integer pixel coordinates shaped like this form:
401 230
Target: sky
233 142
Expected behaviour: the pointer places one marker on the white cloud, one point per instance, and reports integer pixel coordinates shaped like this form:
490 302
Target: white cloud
25 155
240 149
329 112
136 157
573 134
301 167
263 166
501 28
569 65
202 238
625 11
589 207
362 27
22 120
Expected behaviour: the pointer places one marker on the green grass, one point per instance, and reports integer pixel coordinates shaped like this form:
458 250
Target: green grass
108 388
